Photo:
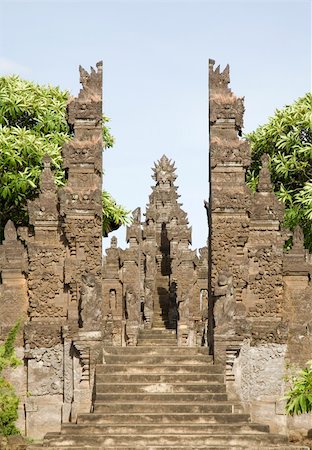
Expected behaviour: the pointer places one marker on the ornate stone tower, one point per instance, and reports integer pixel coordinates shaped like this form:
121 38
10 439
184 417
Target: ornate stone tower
172 236
164 281
81 201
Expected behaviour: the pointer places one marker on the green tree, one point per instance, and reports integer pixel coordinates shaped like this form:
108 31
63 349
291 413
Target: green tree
8 398
33 123
287 138
299 396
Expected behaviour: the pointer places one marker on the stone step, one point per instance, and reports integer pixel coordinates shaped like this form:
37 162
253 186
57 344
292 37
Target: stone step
177 417
165 325
123 407
159 378
165 359
158 387
161 397
158 332
171 440
152 350
178 429
179 447
160 328
172 447
157 342
160 315
158 369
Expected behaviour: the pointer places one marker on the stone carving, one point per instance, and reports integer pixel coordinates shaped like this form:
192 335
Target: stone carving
204 304
262 371
224 304
45 281
295 260
136 215
223 103
184 307
224 151
173 307
90 302
132 306
148 303
88 104
265 204
68 373
41 335
112 302
44 208
46 376
13 262
10 232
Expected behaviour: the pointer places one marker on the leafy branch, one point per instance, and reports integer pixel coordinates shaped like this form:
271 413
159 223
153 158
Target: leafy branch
287 138
8 398
299 397
33 123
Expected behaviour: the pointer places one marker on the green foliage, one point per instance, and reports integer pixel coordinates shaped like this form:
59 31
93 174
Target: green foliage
108 138
299 397
113 215
7 352
8 408
287 138
8 398
32 123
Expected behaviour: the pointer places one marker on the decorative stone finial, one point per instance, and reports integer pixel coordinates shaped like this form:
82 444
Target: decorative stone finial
136 214
223 104
164 171
88 104
91 81
265 184
219 79
47 183
114 242
298 238
10 231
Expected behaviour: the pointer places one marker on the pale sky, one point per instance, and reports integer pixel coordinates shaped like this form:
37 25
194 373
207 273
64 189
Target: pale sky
155 57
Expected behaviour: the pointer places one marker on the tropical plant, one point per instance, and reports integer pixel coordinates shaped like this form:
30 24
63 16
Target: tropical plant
113 214
299 396
8 398
287 138
33 123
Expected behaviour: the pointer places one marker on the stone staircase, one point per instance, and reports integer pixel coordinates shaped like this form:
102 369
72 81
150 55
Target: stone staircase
160 396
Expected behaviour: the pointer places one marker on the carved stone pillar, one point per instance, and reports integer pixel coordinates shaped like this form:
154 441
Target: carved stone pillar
297 301
112 295
131 278
229 158
87 346
81 198
46 251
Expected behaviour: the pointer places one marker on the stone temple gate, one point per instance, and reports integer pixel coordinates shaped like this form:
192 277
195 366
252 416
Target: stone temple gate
157 318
